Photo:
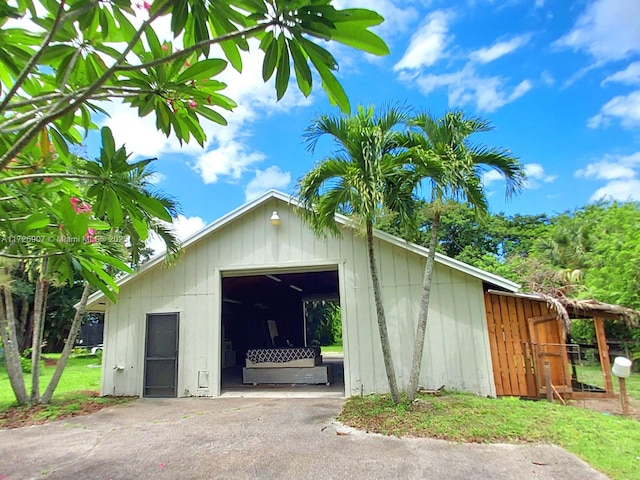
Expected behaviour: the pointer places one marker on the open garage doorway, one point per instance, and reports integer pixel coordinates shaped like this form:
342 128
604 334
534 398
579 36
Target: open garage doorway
281 334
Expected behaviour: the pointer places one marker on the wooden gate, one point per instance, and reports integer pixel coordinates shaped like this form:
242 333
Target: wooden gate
547 334
523 334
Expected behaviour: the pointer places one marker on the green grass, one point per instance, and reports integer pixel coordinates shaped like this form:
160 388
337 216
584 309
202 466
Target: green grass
592 375
332 348
76 376
609 443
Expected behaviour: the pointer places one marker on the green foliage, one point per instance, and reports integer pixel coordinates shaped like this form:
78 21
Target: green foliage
324 323
25 363
583 331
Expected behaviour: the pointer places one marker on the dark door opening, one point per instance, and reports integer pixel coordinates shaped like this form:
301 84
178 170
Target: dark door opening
161 355
271 311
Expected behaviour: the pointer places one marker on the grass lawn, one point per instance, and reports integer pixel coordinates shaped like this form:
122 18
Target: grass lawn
592 375
609 443
332 348
75 395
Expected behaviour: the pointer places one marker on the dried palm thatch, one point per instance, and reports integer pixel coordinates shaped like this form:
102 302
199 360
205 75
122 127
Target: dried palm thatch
580 308
569 308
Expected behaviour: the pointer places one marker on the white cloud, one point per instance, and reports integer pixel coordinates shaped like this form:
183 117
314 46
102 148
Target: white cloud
612 167
622 190
620 172
629 76
535 175
625 108
467 87
264 180
140 135
499 49
428 43
397 15
534 172
490 177
230 159
539 3
607 29
182 226
547 78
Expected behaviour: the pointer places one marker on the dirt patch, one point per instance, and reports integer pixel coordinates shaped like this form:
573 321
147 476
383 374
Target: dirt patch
82 403
609 406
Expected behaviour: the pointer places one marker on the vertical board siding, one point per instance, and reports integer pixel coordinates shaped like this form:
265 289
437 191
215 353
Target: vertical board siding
522 333
457 351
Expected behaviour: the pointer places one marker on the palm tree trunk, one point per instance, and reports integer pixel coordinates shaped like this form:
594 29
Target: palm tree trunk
11 351
39 308
382 322
71 339
423 313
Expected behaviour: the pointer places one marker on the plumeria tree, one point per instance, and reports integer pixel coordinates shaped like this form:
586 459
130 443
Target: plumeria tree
81 52
60 61
61 225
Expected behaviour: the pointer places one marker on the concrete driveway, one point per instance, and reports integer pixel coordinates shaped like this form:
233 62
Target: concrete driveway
256 438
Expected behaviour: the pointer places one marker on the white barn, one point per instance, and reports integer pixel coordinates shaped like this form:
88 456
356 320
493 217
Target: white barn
241 270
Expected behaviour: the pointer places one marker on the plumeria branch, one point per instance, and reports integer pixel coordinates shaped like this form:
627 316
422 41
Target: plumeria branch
73 105
197 46
32 257
36 176
34 59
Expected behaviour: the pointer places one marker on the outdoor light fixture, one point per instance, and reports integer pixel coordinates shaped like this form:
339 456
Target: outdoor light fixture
273 277
295 288
275 219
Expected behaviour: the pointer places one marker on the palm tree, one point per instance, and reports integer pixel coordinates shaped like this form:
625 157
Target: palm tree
446 141
364 179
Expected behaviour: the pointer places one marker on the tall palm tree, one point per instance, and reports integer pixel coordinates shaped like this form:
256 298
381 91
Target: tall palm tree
364 179
446 141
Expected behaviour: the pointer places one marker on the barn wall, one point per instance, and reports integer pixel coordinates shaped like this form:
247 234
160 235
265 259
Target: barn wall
456 352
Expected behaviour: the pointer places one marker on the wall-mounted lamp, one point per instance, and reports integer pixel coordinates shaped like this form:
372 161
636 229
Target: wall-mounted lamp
275 219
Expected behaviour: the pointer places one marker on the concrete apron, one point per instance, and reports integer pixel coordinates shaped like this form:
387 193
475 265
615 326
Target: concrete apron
199 438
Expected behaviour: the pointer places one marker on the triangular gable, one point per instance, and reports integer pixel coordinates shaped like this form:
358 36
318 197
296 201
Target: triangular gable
223 221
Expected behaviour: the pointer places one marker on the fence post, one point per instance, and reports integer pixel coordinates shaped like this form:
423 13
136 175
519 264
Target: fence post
547 379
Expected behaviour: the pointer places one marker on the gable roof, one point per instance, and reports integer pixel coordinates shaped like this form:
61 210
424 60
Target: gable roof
483 275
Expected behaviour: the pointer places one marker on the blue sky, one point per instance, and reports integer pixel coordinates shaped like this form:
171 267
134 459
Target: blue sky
560 81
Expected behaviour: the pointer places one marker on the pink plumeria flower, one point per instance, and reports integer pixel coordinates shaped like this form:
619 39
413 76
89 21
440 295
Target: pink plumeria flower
90 236
79 206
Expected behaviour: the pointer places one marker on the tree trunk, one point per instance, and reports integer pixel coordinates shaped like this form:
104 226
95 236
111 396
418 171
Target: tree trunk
423 313
39 308
382 322
11 351
24 325
71 339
